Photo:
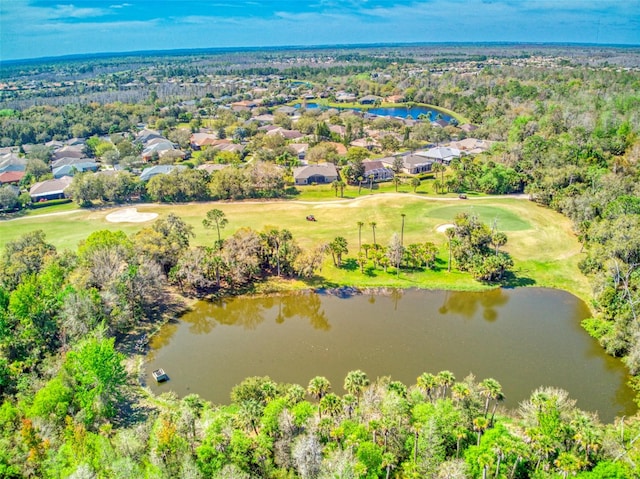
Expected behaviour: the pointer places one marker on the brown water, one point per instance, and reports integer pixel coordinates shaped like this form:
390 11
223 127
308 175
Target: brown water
524 338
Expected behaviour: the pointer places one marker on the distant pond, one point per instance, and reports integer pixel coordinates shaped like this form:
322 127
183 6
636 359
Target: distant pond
524 338
399 112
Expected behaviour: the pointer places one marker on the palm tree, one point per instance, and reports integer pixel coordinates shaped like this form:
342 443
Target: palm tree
373 225
568 463
330 404
341 185
396 181
338 247
498 239
445 379
249 415
427 383
480 424
490 389
402 230
335 185
355 382
460 391
360 225
415 183
215 217
450 232
318 387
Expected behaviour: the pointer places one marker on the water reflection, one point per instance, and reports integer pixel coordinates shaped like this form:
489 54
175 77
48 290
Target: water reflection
238 311
467 304
525 338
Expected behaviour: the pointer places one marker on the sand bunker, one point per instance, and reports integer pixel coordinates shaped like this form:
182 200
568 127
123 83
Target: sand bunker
443 228
130 215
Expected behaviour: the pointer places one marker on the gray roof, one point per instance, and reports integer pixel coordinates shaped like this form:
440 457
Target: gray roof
12 162
50 187
325 169
149 173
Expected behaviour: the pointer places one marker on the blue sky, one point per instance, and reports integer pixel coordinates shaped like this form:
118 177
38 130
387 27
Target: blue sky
37 28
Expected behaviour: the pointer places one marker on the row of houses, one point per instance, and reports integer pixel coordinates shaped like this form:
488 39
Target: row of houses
412 163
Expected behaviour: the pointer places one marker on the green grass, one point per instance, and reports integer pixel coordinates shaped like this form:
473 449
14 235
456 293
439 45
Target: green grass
504 219
541 242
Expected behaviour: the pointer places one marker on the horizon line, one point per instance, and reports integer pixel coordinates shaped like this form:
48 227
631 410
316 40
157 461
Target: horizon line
231 49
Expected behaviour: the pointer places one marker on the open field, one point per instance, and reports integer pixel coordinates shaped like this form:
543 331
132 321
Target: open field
541 242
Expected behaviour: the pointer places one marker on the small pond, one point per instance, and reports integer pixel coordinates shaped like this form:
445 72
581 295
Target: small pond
399 112
524 338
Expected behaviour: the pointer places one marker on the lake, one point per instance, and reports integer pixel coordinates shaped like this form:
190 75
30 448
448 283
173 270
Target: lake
399 112
523 337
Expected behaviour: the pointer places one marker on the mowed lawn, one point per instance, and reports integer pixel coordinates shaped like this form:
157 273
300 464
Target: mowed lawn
541 242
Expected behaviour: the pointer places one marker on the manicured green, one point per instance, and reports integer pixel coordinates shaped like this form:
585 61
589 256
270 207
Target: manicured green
541 241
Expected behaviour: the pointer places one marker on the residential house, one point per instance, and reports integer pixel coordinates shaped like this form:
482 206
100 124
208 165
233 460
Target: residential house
287 110
201 140
471 146
440 123
370 100
12 162
376 170
69 151
161 148
412 164
72 169
395 99
146 135
338 129
286 134
441 154
11 177
323 173
345 97
211 168
263 119
149 173
300 149
368 143
50 189
70 161
468 127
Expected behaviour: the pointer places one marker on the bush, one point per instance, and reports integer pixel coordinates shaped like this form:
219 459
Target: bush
44 204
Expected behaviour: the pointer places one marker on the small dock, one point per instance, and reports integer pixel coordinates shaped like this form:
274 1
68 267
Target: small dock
160 376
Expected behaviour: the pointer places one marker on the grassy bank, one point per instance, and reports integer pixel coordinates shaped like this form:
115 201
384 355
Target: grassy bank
544 249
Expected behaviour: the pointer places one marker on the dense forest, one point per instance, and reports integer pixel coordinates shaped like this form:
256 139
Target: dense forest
565 131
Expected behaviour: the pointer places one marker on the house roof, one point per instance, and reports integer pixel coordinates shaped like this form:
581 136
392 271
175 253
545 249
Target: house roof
299 147
50 187
70 161
145 135
69 151
287 110
370 165
365 142
324 169
11 176
440 153
12 162
70 169
149 173
287 134
471 145
212 167
468 127
202 139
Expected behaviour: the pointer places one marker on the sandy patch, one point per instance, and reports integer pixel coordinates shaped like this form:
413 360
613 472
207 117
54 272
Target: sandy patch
443 228
130 215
